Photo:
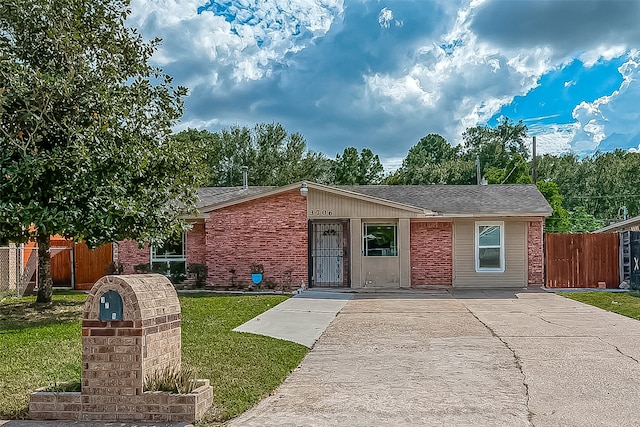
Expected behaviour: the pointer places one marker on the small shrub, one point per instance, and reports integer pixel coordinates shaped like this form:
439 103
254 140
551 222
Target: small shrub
270 283
287 282
115 268
172 380
257 268
234 277
177 272
142 268
67 387
200 271
159 268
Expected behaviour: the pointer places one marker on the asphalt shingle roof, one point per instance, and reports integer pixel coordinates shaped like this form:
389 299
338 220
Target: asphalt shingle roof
514 199
214 195
462 199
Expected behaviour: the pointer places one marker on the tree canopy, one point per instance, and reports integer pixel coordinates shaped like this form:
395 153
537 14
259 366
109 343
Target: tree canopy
272 155
352 168
85 130
276 157
604 183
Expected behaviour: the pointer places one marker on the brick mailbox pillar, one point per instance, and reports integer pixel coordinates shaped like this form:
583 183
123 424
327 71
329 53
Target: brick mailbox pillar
130 330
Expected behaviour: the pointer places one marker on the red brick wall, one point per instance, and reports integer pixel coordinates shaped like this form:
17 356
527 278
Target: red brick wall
271 231
129 254
535 253
197 245
431 253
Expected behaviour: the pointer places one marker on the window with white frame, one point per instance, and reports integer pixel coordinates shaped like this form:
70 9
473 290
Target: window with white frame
489 246
380 239
169 258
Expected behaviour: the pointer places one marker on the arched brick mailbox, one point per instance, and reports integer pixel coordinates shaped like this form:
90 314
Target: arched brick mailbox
130 330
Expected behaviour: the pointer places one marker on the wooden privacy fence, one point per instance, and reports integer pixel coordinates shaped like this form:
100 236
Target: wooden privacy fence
582 260
88 265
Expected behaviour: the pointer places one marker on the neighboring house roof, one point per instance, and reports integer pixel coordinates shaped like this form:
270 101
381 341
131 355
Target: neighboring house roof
440 200
632 224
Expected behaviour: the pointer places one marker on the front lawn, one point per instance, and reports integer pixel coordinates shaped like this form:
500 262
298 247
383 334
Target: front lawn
627 304
42 346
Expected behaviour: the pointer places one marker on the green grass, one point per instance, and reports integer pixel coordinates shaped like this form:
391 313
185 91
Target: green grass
627 304
242 368
41 346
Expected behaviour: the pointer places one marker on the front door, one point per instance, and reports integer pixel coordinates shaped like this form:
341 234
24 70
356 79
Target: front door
328 254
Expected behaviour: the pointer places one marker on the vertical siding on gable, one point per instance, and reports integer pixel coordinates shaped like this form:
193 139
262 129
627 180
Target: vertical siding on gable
464 266
323 204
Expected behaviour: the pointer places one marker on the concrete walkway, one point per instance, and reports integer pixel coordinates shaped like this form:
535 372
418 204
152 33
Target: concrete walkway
300 319
493 358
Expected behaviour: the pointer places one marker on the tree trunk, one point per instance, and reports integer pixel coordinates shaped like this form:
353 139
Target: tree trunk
45 283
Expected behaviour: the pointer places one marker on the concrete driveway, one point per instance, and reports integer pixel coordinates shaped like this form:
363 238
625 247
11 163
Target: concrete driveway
472 358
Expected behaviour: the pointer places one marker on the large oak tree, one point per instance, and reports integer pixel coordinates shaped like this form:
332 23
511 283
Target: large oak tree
85 130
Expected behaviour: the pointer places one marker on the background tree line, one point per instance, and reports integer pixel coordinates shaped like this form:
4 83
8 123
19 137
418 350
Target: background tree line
585 193
275 157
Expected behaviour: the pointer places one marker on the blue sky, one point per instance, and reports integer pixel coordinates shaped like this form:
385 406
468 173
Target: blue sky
382 74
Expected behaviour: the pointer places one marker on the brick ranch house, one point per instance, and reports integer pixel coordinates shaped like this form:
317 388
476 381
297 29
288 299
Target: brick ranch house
363 236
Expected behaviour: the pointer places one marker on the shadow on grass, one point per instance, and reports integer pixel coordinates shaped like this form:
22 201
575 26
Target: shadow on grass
24 313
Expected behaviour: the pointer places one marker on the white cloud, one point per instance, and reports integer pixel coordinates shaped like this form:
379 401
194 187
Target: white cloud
602 53
463 81
404 89
611 114
255 35
552 139
595 131
391 164
385 17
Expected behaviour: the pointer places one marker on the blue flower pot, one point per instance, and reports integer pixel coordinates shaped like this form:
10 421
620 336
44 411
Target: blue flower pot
256 278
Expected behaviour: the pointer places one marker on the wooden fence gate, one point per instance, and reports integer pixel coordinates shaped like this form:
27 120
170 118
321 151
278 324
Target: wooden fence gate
88 265
582 260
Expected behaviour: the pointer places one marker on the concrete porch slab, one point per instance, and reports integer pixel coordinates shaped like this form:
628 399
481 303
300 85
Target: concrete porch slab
301 319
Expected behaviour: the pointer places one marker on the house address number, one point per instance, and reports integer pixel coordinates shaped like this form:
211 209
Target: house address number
320 212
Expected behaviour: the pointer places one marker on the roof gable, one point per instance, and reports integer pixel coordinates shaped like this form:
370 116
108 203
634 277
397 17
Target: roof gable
212 198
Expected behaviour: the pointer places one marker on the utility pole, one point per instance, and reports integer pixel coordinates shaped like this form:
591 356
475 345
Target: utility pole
478 177
534 172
